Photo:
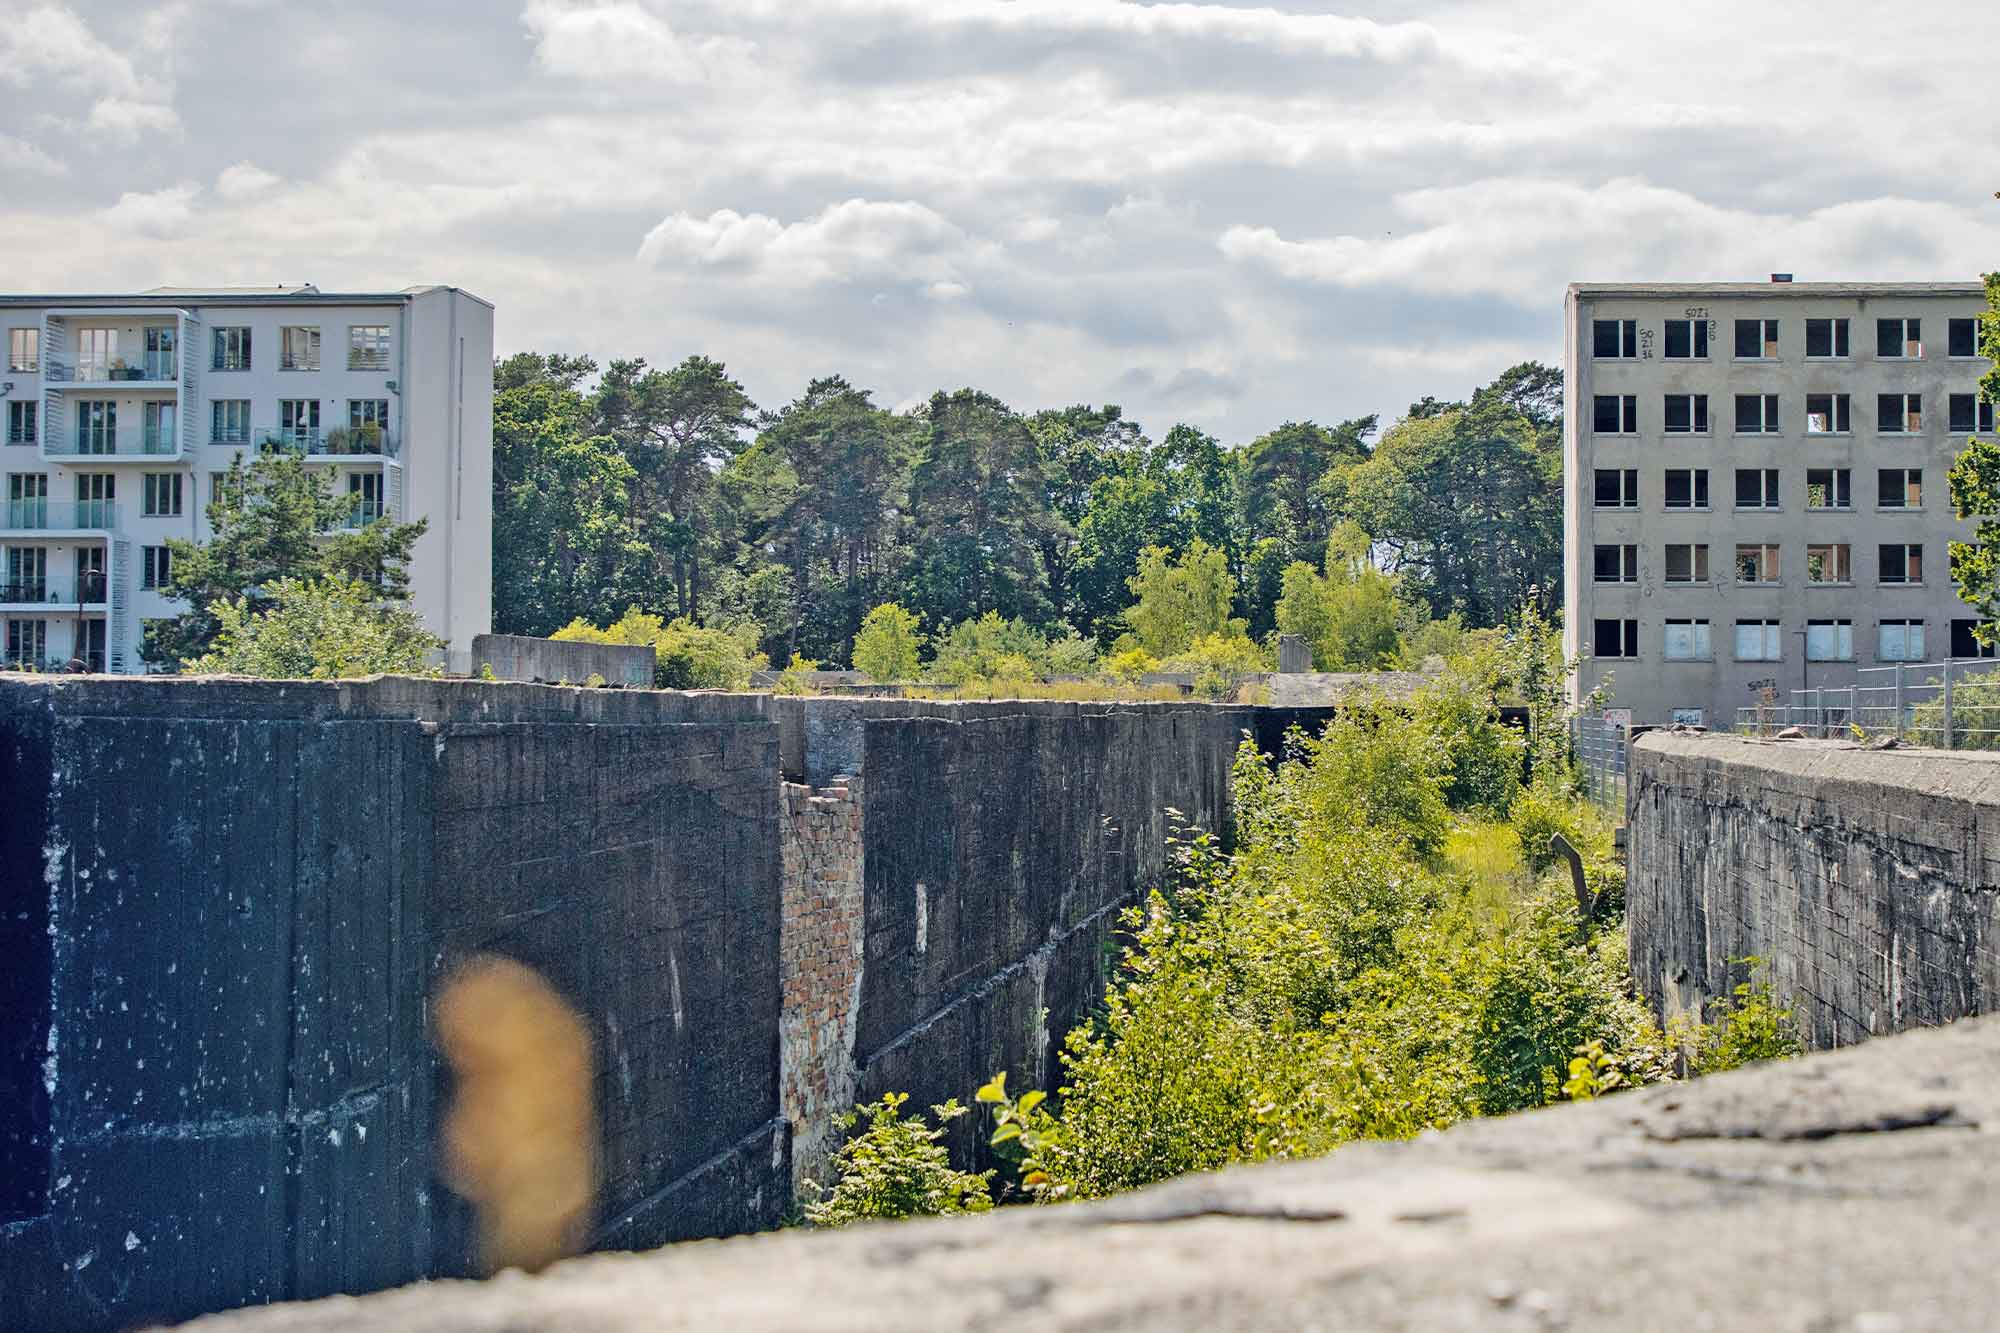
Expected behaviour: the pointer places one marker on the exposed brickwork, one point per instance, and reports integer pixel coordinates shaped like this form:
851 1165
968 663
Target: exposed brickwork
819 964
1866 880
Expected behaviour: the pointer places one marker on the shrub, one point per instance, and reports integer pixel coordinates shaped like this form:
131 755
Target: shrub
321 629
1131 663
1482 755
898 1168
1751 1026
887 644
1218 662
687 656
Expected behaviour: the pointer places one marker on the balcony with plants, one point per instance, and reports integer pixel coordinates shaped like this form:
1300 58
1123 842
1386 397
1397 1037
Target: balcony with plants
361 442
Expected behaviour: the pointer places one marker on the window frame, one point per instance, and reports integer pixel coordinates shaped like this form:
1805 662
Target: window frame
1626 336
1624 555
1627 633
1772 634
1769 490
1903 413
1904 476
1839 338
151 484
1768 346
359 355
24 420
1882 628
1699 420
1769 564
155 567
1839 479
1700 338
287 361
30 361
1627 486
1700 639
1970 324
1981 416
224 346
1843 637
1839 413
220 430
1770 415
1696 573
1985 651
1905 326
1839 554
1912 554
1626 408
1698 491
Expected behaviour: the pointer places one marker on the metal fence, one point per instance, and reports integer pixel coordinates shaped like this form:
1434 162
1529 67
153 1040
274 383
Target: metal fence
1600 761
1952 705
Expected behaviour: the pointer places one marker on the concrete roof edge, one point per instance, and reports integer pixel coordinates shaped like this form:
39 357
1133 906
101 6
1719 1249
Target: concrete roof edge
1941 288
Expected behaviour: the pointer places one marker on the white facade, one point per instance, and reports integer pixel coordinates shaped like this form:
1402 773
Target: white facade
1754 497
122 411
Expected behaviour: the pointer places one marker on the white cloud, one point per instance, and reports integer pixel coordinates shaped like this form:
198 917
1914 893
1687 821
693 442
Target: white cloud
244 179
20 155
160 214
50 41
947 291
1522 240
587 39
853 240
47 43
126 120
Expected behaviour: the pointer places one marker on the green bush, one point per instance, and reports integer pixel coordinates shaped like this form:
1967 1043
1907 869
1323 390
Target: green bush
687 656
887 644
898 1168
320 629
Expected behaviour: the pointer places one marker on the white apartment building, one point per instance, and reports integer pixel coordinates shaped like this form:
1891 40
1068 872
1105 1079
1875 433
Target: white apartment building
122 414
1754 496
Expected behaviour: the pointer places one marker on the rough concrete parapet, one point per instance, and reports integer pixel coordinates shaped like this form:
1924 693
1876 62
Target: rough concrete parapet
1848 1191
1866 880
563 661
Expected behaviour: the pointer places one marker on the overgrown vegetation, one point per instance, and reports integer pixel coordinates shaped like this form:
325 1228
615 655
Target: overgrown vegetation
898 1168
323 629
1386 949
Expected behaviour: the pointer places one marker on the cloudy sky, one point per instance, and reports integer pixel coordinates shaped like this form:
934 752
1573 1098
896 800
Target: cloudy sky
1219 213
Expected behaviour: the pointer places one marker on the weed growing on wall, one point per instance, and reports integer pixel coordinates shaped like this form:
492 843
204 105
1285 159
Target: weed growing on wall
898 1168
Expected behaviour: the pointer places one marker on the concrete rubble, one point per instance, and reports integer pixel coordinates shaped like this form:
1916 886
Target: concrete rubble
1854 1190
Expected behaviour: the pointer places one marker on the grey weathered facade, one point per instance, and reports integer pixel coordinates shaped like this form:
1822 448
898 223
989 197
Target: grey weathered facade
1768 513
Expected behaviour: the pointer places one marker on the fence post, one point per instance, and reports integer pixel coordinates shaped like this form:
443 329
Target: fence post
1899 701
1947 704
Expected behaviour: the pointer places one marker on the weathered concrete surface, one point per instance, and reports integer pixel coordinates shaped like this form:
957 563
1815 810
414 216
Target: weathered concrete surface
1867 880
998 842
236 897
1857 1190
519 657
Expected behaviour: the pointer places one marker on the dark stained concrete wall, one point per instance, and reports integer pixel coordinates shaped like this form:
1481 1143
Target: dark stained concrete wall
1868 881
226 904
248 892
1000 841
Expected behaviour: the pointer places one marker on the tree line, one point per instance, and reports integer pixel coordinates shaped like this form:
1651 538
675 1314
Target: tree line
671 491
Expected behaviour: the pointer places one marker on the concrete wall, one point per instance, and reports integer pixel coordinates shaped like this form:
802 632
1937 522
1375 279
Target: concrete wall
519 657
1653 687
1865 879
998 842
227 903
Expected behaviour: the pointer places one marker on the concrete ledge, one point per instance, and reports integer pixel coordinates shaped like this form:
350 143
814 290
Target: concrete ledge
1864 879
1844 1191
550 661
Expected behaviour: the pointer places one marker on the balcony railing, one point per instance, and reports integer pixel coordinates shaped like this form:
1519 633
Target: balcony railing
342 441
151 442
44 515
363 515
145 368
88 590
